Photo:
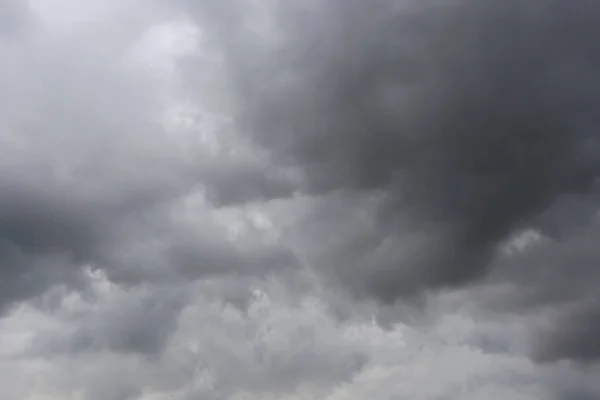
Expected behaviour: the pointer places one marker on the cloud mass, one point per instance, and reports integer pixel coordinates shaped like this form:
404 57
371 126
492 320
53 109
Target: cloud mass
295 200
468 121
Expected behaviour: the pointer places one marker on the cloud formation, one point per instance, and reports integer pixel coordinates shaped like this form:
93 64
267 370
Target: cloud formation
246 199
90 174
277 348
458 125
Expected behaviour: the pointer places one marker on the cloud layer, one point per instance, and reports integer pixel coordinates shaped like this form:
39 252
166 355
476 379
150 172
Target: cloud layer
298 200
462 124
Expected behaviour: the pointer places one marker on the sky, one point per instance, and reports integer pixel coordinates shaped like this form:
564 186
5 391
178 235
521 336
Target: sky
338 200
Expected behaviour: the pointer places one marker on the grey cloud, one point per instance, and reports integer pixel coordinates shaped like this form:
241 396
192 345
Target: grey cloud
14 17
554 283
574 335
160 249
573 383
88 173
98 188
228 186
34 221
267 349
69 168
139 322
47 239
277 349
113 388
462 123
43 239
471 117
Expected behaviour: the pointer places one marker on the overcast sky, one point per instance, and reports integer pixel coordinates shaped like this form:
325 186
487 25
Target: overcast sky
339 200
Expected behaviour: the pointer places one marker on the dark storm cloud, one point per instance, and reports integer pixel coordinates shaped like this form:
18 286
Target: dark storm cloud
42 239
49 239
50 234
464 122
574 335
557 284
33 222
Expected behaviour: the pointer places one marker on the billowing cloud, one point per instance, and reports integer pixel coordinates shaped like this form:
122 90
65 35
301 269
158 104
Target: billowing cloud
442 129
91 175
297 200
277 348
